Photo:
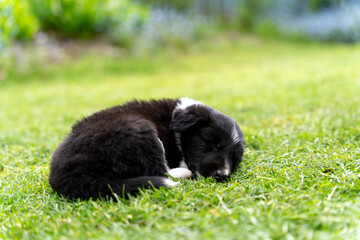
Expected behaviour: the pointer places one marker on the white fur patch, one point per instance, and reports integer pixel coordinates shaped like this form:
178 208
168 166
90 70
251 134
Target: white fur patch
183 164
169 183
178 144
187 102
235 135
181 173
163 149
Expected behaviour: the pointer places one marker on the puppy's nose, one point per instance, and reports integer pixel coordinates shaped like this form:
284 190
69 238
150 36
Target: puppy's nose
222 175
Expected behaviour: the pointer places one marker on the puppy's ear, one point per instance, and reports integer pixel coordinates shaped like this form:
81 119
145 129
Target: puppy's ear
185 119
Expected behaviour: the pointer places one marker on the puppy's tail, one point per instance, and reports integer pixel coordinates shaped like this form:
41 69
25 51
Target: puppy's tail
85 187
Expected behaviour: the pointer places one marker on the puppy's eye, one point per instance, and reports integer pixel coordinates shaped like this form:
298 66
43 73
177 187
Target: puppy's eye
215 146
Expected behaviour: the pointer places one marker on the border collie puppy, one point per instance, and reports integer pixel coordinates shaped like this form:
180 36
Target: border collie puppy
136 145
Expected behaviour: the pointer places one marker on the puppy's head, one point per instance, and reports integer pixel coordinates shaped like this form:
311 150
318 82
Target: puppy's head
212 143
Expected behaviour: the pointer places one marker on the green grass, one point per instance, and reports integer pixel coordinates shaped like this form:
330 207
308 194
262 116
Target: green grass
298 105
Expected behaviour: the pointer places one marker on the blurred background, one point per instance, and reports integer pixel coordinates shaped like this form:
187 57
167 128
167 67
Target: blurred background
38 32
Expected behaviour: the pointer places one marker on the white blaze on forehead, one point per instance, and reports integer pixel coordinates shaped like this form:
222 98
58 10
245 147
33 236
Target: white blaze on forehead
235 135
187 102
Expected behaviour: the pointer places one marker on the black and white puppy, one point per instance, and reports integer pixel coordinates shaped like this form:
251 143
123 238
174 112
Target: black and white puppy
135 145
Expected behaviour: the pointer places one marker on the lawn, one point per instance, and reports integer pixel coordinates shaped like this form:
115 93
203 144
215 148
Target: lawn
298 105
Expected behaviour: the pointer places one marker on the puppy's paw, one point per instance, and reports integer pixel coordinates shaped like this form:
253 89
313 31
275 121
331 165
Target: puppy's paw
181 173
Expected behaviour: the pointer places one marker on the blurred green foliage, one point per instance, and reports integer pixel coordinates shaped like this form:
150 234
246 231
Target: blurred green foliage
21 19
69 17
82 18
16 21
125 20
247 13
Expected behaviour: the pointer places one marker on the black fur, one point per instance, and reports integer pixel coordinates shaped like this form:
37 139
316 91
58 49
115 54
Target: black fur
117 150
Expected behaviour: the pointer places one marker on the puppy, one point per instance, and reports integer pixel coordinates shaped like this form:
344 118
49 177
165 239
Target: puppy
136 145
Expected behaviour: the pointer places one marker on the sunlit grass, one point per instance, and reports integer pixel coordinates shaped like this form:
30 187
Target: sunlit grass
298 105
